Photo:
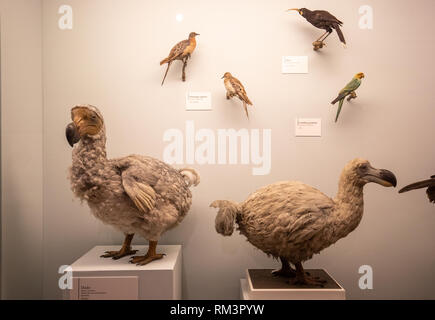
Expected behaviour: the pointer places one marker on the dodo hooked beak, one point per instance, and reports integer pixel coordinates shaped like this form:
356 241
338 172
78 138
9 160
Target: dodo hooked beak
72 134
295 9
381 176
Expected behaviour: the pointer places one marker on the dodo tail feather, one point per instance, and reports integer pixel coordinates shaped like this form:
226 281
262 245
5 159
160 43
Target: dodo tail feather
226 217
191 176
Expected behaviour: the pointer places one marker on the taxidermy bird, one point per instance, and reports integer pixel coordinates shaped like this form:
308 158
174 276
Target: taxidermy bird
348 91
235 88
292 221
181 51
133 194
323 20
429 184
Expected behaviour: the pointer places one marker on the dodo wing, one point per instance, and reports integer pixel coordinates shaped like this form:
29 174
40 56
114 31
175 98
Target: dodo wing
311 210
139 191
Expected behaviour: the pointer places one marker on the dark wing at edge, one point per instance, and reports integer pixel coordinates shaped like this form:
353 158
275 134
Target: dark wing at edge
419 185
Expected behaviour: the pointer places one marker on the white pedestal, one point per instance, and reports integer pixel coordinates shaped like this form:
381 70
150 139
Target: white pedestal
96 278
261 285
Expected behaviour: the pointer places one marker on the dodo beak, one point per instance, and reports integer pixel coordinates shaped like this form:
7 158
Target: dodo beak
381 176
72 134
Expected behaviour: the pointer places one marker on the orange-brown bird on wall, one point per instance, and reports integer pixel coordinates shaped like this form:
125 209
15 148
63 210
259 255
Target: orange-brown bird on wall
235 88
181 51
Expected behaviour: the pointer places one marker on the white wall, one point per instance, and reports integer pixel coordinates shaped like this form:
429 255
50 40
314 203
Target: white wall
21 149
110 59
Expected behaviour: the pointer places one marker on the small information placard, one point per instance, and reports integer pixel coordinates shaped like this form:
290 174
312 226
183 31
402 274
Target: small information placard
105 288
198 101
308 127
295 64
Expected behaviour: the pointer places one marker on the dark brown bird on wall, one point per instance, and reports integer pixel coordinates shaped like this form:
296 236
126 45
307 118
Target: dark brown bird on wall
235 88
181 51
429 184
323 20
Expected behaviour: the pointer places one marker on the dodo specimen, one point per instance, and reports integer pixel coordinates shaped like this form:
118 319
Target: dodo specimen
292 221
134 194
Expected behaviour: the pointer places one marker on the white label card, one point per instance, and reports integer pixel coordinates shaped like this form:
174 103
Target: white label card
295 64
197 101
105 288
308 127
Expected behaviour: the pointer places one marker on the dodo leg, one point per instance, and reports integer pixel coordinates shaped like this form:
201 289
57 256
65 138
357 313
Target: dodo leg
302 278
285 271
150 256
125 250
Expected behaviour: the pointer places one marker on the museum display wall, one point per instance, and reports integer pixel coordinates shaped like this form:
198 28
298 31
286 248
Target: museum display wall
110 59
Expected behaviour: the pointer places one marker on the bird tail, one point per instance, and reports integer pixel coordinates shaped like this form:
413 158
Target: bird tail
247 100
191 176
166 60
340 96
340 105
226 217
246 109
166 73
340 33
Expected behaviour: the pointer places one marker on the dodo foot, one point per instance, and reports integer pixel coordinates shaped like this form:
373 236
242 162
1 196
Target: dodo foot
285 273
115 255
143 260
308 281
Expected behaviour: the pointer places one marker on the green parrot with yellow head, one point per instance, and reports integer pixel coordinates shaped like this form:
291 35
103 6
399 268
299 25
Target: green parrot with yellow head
348 90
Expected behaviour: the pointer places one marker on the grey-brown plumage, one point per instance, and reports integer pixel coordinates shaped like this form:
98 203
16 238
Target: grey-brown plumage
292 221
181 51
235 88
429 184
134 194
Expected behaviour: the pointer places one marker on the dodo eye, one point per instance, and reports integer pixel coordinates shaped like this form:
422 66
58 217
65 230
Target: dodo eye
363 167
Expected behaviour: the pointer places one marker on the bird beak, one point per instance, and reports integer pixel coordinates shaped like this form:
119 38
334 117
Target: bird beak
298 10
381 176
197 34
223 77
72 134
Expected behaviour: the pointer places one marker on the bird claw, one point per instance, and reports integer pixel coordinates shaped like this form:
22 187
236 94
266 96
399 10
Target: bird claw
143 260
116 255
308 281
285 273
